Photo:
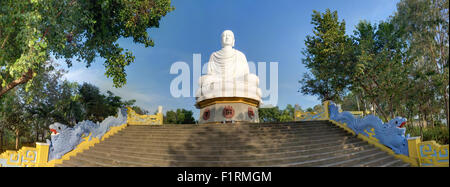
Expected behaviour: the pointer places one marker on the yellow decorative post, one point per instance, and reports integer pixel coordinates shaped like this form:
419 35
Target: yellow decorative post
413 143
325 107
160 116
42 154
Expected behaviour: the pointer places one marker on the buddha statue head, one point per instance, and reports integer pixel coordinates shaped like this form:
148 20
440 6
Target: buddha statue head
227 38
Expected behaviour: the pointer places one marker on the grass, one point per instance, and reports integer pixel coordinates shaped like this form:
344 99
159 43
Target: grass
439 134
13 146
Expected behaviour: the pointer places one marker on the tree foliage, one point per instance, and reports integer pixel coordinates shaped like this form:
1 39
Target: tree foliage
397 67
27 114
328 47
426 24
31 31
180 116
274 114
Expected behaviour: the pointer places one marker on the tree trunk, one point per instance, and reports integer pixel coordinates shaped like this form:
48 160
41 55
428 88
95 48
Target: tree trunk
43 136
365 106
432 119
380 110
37 135
446 106
17 139
23 79
357 102
6 141
1 140
421 131
391 109
425 120
409 118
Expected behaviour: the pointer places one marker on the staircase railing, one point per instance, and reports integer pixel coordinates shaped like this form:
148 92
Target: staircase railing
389 136
26 156
320 114
137 119
71 142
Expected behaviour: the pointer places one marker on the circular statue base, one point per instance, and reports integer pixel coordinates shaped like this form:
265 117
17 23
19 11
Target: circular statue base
228 110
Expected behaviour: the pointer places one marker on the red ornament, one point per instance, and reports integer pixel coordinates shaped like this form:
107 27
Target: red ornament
206 114
251 114
228 112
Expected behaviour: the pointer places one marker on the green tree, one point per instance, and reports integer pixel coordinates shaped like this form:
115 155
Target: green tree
426 24
328 56
180 116
98 106
5 112
26 115
93 102
350 102
14 116
187 117
287 114
38 105
170 117
269 114
381 70
139 110
31 30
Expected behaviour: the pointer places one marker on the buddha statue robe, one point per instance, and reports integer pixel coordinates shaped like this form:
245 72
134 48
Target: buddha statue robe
228 74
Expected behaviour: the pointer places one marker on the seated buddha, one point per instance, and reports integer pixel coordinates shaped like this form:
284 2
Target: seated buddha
228 74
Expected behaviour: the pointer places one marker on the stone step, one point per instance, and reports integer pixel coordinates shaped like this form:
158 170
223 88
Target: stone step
85 161
261 148
66 164
357 160
184 127
90 161
304 123
396 163
374 162
214 143
224 136
231 129
222 154
113 160
334 159
312 143
259 162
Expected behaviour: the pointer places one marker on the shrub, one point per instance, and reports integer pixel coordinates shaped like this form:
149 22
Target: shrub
439 134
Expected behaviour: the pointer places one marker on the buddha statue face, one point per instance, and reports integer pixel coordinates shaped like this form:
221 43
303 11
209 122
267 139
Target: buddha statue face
227 38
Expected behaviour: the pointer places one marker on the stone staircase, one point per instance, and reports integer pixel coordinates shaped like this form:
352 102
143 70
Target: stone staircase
312 143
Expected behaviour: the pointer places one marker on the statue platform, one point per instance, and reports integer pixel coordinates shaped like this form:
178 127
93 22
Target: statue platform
228 110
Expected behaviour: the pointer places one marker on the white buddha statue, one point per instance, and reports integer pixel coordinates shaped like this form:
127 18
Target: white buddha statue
228 74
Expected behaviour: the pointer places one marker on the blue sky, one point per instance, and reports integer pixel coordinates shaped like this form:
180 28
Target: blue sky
265 31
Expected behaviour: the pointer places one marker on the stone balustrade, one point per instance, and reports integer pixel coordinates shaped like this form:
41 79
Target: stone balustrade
39 156
389 136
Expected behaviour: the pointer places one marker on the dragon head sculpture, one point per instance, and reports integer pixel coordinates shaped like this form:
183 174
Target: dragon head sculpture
64 139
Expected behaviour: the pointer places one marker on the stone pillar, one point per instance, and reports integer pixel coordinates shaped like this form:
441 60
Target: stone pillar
42 154
413 149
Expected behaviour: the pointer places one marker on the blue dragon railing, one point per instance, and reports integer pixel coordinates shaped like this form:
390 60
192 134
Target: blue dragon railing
390 136
65 142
